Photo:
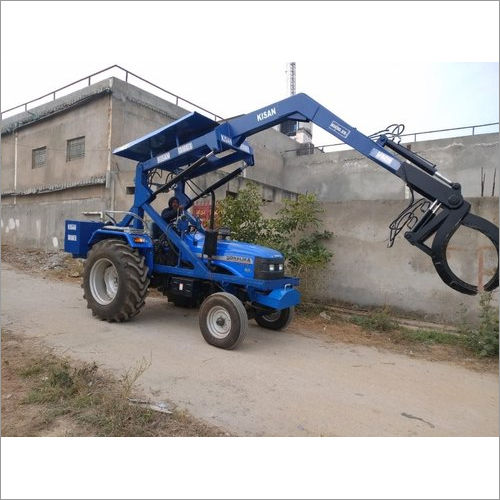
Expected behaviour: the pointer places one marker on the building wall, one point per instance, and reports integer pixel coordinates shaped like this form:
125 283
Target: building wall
38 221
8 163
89 121
347 175
108 114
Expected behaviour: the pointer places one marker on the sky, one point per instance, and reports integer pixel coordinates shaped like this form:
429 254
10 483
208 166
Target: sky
429 65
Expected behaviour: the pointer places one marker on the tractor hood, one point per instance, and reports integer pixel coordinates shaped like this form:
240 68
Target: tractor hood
231 248
236 251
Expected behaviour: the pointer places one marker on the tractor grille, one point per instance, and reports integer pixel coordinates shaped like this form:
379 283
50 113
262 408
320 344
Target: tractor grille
269 269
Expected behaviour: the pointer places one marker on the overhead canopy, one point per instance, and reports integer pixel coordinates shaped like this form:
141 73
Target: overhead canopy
166 138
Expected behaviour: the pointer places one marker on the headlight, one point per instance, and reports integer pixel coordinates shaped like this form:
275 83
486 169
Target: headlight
268 268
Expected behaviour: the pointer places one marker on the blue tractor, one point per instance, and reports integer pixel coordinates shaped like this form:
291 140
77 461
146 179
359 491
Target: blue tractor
233 281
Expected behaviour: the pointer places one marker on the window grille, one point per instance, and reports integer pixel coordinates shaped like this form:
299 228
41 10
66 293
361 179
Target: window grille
289 127
75 148
39 157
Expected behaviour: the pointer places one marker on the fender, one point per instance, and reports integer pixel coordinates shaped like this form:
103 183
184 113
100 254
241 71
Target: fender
141 241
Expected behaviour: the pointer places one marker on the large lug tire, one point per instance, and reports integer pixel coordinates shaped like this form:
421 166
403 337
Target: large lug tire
223 320
277 320
115 281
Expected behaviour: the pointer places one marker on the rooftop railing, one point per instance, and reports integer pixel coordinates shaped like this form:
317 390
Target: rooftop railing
416 136
89 79
190 106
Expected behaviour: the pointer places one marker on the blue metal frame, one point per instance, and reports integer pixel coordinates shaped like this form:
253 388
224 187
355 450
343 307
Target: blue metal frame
180 144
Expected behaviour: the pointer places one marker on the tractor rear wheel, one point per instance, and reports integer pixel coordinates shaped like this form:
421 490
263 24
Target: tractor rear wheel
276 320
223 320
115 281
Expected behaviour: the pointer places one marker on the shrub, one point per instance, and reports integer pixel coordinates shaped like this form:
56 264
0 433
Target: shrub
242 214
484 338
295 231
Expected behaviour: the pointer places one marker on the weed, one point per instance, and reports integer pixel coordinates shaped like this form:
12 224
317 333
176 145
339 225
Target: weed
483 339
31 370
431 337
380 321
129 379
60 377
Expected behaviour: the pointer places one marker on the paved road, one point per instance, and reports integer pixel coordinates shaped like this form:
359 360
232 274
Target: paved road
274 384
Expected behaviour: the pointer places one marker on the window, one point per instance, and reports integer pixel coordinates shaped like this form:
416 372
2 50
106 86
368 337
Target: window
39 157
75 148
289 127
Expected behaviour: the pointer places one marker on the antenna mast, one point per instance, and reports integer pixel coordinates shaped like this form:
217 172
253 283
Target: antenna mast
291 78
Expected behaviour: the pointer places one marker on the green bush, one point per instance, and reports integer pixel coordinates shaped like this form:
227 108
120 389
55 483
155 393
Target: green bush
242 214
295 231
483 339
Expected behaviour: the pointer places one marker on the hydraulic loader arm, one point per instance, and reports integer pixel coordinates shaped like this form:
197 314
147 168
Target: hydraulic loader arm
446 210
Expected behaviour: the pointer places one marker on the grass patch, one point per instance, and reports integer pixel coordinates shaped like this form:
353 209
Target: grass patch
91 399
31 370
94 403
380 321
432 337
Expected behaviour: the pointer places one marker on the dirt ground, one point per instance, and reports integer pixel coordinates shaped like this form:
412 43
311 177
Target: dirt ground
34 404
350 380
317 321
336 330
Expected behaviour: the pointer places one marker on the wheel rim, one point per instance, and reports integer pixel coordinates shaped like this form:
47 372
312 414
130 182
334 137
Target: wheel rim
271 317
219 322
104 281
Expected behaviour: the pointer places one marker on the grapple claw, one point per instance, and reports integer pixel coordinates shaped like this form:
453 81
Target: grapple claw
440 245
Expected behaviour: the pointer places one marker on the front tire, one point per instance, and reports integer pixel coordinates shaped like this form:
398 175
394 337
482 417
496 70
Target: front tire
276 320
223 320
115 281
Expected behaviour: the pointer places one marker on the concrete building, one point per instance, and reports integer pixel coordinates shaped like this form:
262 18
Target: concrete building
57 160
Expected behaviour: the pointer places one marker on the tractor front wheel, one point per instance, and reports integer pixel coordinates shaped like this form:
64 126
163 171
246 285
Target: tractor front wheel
223 320
115 281
276 320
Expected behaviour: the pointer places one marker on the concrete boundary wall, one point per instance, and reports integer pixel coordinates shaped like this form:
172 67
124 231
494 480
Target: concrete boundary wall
348 175
364 271
40 223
